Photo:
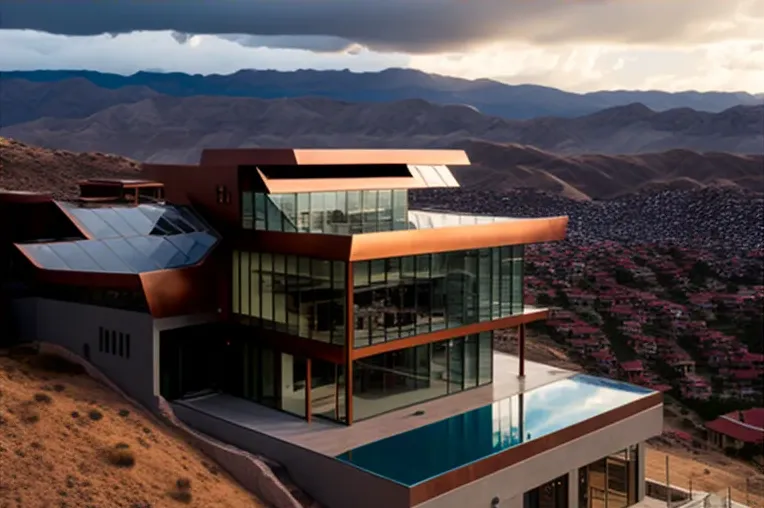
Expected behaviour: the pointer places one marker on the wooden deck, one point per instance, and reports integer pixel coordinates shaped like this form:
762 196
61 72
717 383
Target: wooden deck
332 439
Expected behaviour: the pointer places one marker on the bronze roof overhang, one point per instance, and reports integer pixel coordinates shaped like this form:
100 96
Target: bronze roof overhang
330 156
366 246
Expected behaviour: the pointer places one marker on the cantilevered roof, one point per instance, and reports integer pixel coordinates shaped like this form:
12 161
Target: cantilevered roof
127 240
427 233
356 157
406 177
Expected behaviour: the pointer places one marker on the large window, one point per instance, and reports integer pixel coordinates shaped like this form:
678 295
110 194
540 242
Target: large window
393 380
404 296
610 482
339 212
297 295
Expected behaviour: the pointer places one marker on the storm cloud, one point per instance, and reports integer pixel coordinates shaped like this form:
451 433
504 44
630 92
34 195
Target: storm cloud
409 26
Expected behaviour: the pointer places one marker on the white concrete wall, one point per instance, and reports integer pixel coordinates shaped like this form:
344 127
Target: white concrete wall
511 483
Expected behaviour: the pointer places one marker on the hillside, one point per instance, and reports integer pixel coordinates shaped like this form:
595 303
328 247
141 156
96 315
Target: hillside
66 440
508 167
501 168
167 128
489 96
25 167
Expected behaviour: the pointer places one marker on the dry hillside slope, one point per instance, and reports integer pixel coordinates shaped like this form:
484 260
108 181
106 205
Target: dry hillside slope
66 440
29 168
505 167
496 167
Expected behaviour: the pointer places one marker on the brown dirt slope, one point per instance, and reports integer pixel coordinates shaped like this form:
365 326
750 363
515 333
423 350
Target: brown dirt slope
30 168
66 440
505 167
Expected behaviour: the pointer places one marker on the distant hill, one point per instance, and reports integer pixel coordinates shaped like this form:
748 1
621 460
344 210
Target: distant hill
494 167
165 128
488 96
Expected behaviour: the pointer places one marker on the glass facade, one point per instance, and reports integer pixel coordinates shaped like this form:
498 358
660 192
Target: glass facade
337 213
397 379
135 239
610 482
301 296
399 297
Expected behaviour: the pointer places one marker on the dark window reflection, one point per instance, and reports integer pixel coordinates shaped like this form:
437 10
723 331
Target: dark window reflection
393 380
610 482
291 294
403 296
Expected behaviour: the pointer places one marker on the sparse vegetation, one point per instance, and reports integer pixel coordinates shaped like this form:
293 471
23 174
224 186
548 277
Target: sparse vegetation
121 456
53 454
43 398
182 492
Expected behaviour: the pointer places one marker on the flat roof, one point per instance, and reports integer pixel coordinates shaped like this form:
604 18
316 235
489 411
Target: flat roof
329 156
426 452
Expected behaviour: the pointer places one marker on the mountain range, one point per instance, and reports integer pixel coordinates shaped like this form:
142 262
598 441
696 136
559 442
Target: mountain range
488 96
146 126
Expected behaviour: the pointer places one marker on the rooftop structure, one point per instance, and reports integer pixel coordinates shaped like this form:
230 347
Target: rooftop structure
289 302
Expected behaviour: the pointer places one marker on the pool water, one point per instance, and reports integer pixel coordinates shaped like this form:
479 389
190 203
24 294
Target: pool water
420 454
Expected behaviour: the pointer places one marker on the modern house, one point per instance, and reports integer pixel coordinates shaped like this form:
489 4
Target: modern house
290 303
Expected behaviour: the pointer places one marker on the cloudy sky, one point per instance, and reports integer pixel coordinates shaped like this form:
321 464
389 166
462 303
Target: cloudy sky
578 45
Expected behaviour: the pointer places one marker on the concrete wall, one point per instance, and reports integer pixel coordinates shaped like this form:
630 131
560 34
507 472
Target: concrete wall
332 483
73 325
513 482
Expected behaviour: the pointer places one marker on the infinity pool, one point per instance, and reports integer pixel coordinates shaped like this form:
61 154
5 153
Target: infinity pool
434 449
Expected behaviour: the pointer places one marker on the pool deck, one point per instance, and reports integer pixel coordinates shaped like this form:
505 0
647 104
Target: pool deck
332 439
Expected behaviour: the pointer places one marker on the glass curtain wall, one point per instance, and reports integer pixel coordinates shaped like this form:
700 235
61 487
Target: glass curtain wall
301 296
338 212
397 379
404 296
610 482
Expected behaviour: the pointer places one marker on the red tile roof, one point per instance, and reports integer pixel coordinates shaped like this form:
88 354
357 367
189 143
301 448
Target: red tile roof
751 430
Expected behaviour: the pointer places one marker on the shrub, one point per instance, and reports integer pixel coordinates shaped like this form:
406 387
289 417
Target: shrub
75 414
43 398
59 387
95 415
124 413
182 496
121 457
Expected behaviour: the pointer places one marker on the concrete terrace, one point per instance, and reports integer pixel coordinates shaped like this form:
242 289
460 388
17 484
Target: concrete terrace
332 439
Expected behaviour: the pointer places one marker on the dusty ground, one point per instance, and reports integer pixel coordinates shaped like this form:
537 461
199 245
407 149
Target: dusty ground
67 441
538 348
710 472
